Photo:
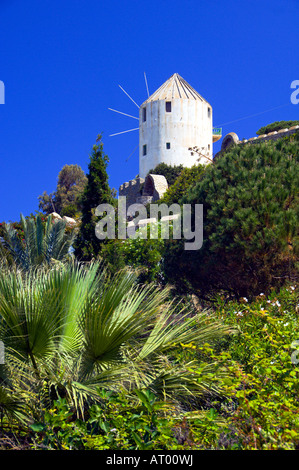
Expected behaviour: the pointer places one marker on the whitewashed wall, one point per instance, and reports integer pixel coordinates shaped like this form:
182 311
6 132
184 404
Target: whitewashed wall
187 125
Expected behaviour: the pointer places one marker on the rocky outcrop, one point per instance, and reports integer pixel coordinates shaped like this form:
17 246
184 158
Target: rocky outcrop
70 222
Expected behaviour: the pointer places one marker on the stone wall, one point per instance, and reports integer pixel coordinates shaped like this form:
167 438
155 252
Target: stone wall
272 135
132 190
143 191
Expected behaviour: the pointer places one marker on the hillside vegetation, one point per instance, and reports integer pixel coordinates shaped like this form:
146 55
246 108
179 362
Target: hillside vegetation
139 344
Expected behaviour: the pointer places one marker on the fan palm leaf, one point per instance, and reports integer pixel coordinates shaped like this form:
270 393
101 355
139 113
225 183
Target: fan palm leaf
11 405
40 245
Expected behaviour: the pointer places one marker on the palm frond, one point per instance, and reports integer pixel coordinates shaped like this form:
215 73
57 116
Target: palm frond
40 244
12 405
175 327
15 246
121 312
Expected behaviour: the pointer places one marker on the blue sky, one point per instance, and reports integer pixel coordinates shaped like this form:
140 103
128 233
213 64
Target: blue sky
62 63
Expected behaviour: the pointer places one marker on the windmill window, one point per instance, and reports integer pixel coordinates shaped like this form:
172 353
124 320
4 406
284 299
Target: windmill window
209 112
168 145
168 106
143 114
144 150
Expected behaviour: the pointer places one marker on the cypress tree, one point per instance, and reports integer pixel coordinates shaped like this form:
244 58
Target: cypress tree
97 191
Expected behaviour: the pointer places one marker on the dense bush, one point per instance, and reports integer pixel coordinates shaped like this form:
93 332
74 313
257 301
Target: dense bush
144 255
187 178
277 126
170 172
250 222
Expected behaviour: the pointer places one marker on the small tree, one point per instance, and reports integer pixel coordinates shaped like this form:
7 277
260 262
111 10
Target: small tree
47 203
66 199
97 191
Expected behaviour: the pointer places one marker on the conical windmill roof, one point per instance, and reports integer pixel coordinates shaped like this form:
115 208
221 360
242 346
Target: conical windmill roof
175 88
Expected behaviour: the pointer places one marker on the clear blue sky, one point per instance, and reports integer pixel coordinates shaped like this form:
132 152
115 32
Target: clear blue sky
62 61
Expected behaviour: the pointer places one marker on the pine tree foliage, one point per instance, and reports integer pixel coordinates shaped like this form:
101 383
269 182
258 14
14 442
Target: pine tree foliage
251 212
71 183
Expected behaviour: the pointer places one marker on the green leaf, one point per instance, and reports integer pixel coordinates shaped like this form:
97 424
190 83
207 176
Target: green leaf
38 427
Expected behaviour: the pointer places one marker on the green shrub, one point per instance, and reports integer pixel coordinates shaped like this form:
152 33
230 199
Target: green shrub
187 178
277 126
250 239
123 422
170 172
264 372
144 255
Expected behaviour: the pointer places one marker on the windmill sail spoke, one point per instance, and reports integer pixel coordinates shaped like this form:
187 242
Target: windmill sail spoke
123 132
146 84
129 96
120 112
132 152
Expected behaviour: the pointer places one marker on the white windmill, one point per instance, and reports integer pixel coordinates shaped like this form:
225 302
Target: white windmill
175 126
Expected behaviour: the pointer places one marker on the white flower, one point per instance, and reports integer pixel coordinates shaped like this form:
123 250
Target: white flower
262 293
292 287
245 298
